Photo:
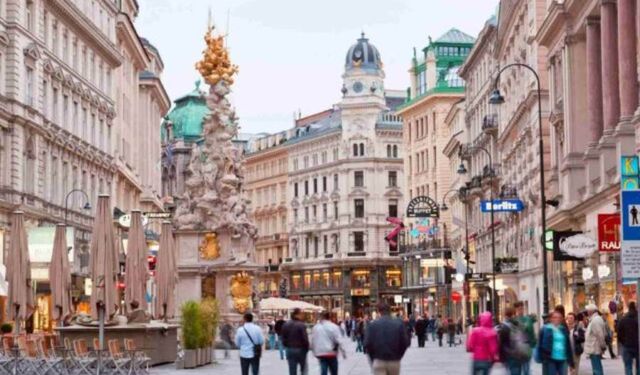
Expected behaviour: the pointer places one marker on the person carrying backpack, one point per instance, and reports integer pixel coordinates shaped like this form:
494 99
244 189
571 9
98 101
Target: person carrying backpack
526 322
515 349
554 347
483 343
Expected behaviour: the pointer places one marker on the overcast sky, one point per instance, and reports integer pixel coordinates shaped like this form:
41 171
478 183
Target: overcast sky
291 52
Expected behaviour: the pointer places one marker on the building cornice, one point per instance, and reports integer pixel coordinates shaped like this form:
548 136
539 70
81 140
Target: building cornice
85 27
552 25
131 39
158 91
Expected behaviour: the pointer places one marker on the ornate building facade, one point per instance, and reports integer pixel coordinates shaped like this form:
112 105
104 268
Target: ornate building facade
59 120
436 88
266 180
592 70
344 177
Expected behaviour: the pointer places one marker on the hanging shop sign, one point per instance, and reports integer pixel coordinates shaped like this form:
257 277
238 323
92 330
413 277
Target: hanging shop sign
608 232
157 215
423 206
476 277
502 205
570 245
125 220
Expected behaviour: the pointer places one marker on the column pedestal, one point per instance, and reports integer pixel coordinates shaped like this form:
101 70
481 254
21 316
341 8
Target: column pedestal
592 170
572 179
608 161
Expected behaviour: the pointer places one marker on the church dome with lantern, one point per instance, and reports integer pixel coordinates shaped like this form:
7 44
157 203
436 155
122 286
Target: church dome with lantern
363 55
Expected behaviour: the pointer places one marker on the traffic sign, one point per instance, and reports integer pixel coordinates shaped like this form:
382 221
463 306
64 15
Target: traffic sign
630 246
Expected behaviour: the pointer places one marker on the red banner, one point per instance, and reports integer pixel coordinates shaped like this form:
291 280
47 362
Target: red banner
609 232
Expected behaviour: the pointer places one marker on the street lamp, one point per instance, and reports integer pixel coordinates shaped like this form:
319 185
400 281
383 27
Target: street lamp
463 170
467 256
496 98
87 205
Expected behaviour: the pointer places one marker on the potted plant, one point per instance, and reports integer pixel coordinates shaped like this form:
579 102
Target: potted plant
6 328
192 332
210 316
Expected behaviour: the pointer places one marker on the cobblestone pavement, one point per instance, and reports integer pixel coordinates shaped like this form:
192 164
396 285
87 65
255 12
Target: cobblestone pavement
429 360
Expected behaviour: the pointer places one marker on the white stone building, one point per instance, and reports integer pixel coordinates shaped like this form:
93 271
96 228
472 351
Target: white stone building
345 175
59 119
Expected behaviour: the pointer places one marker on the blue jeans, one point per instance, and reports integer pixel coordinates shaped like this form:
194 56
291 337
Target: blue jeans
481 367
628 356
553 367
526 366
328 365
296 357
272 341
514 367
359 347
596 364
281 348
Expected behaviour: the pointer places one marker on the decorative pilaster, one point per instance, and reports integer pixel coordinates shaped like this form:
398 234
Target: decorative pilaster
594 80
610 83
628 66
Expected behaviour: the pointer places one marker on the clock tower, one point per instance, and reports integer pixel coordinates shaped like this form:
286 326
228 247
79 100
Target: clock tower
363 97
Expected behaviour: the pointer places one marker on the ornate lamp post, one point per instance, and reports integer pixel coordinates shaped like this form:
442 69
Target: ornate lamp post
497 99
467 257
463 170
87 205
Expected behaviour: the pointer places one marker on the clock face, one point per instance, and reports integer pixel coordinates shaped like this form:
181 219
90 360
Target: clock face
357 86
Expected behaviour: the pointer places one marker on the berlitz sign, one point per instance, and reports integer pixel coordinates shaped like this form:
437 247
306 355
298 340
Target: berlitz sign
502 205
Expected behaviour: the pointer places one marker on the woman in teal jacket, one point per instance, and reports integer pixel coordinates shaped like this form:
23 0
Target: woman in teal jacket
554 346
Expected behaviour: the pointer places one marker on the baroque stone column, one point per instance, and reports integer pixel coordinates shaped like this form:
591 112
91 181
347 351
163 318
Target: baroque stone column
594 80
609 43
628 67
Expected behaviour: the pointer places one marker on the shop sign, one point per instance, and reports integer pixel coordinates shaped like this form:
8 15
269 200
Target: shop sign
125 220
629 173
571 245
476 277
158 215
502 205
630 221
423 206
427 280
609 232
397 298
359 292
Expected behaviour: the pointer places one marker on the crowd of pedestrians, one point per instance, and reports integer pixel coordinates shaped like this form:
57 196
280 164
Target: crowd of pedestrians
559 342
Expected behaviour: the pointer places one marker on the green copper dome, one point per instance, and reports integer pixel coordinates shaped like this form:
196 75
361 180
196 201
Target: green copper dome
187 115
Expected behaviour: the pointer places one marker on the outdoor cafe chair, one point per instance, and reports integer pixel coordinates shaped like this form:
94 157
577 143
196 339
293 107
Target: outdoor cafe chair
117 361
84 360
28 363
51 363
140 359
8 357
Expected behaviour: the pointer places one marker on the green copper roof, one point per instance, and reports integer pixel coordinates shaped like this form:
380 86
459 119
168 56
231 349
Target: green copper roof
455 36
187 114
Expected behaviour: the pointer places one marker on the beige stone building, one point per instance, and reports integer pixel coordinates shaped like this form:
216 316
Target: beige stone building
436 89
592 70
266 181
59 119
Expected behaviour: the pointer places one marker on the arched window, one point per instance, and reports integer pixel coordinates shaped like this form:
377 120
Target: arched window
355 149
361 149
395 151
388 151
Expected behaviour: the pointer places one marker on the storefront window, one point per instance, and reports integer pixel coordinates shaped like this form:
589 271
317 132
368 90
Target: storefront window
393 277
326 279
337 279
316 279
295 281
307 280
360 279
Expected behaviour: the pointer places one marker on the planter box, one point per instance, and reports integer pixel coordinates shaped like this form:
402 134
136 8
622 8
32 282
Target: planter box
190 358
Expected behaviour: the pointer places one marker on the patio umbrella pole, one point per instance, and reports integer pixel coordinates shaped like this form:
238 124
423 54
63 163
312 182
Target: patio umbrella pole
100 336
164 312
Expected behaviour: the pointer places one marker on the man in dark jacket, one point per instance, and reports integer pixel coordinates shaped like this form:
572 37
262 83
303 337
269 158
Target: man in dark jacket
296 340
385 342
628 338
421 330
